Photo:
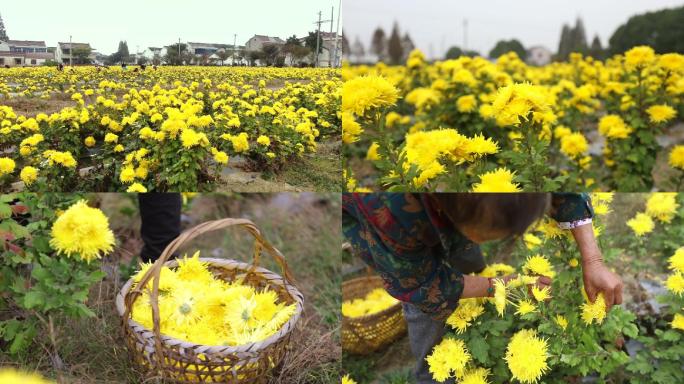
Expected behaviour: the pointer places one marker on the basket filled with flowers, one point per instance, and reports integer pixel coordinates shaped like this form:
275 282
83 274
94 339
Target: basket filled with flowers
371 318
210 320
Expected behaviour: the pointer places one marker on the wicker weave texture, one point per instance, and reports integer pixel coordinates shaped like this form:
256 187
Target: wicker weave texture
366 334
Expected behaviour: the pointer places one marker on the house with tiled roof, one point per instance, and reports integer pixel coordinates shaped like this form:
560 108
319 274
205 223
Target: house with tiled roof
19 53
257 42
63 54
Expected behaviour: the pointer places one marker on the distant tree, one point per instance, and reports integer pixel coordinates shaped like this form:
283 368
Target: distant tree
505 46
662 30
579 37
81 55
345 44
394 49
357 50
3 32
596 50
292 44
298 54
270 53
379 44
223 55
407 44
174 58
454 53
142 60
253 56
120 55
572 40
310 42
564 46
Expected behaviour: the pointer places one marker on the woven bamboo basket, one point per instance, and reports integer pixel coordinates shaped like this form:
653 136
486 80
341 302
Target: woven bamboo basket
181 361
366 334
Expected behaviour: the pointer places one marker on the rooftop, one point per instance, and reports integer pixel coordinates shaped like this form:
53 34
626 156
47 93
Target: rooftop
26 43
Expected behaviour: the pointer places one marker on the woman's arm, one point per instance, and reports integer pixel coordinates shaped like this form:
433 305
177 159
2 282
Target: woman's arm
478 286
597 277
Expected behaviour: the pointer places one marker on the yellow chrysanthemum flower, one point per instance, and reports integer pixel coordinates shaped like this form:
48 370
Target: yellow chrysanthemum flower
641 224
595 311
539 265
678 321
11 376
574 145
365 93
82 231
499 180
675 283
448 359
661 113
526 356
676 261
676 158
662 206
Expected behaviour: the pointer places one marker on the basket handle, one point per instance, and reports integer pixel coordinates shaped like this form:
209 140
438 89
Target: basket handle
155 271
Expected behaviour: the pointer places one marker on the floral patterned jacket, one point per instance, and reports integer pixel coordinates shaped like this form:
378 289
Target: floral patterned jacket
414 248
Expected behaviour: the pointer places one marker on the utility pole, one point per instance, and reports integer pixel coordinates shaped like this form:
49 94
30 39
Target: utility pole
71 53
465 35
318 37
337 33
234 46
330 51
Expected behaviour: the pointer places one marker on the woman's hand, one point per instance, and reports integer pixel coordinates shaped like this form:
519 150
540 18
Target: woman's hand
598 278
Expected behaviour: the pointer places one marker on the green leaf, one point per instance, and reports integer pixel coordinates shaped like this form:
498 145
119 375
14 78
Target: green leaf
34 299
5 211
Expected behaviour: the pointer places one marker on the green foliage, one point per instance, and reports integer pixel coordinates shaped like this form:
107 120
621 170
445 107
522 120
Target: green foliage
505 46
37 282
662 30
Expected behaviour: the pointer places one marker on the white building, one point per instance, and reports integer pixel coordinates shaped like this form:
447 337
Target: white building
539 55
154 55
63 52
19 53
212 53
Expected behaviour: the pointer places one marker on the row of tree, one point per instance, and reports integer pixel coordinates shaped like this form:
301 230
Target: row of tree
295 50
663 30
393 49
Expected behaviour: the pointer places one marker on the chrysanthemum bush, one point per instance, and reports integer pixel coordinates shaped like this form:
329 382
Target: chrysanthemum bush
469 124
660 229
51 244
171 129
527 334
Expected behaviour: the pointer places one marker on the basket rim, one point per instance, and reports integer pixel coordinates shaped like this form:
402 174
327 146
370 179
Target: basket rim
222 350
385 311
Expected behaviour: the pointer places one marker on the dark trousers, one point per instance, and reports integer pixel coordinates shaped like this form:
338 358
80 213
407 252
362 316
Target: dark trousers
160 215
424 332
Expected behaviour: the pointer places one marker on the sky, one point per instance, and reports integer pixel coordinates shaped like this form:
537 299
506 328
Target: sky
435 25
157 23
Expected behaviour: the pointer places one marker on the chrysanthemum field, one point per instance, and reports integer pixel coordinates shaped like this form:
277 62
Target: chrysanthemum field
557 335
469 124
164 129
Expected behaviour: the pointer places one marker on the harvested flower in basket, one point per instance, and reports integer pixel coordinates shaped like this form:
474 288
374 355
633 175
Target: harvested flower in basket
375 301
195 306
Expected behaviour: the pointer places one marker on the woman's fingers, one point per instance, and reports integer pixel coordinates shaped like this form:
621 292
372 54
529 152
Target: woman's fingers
618 294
